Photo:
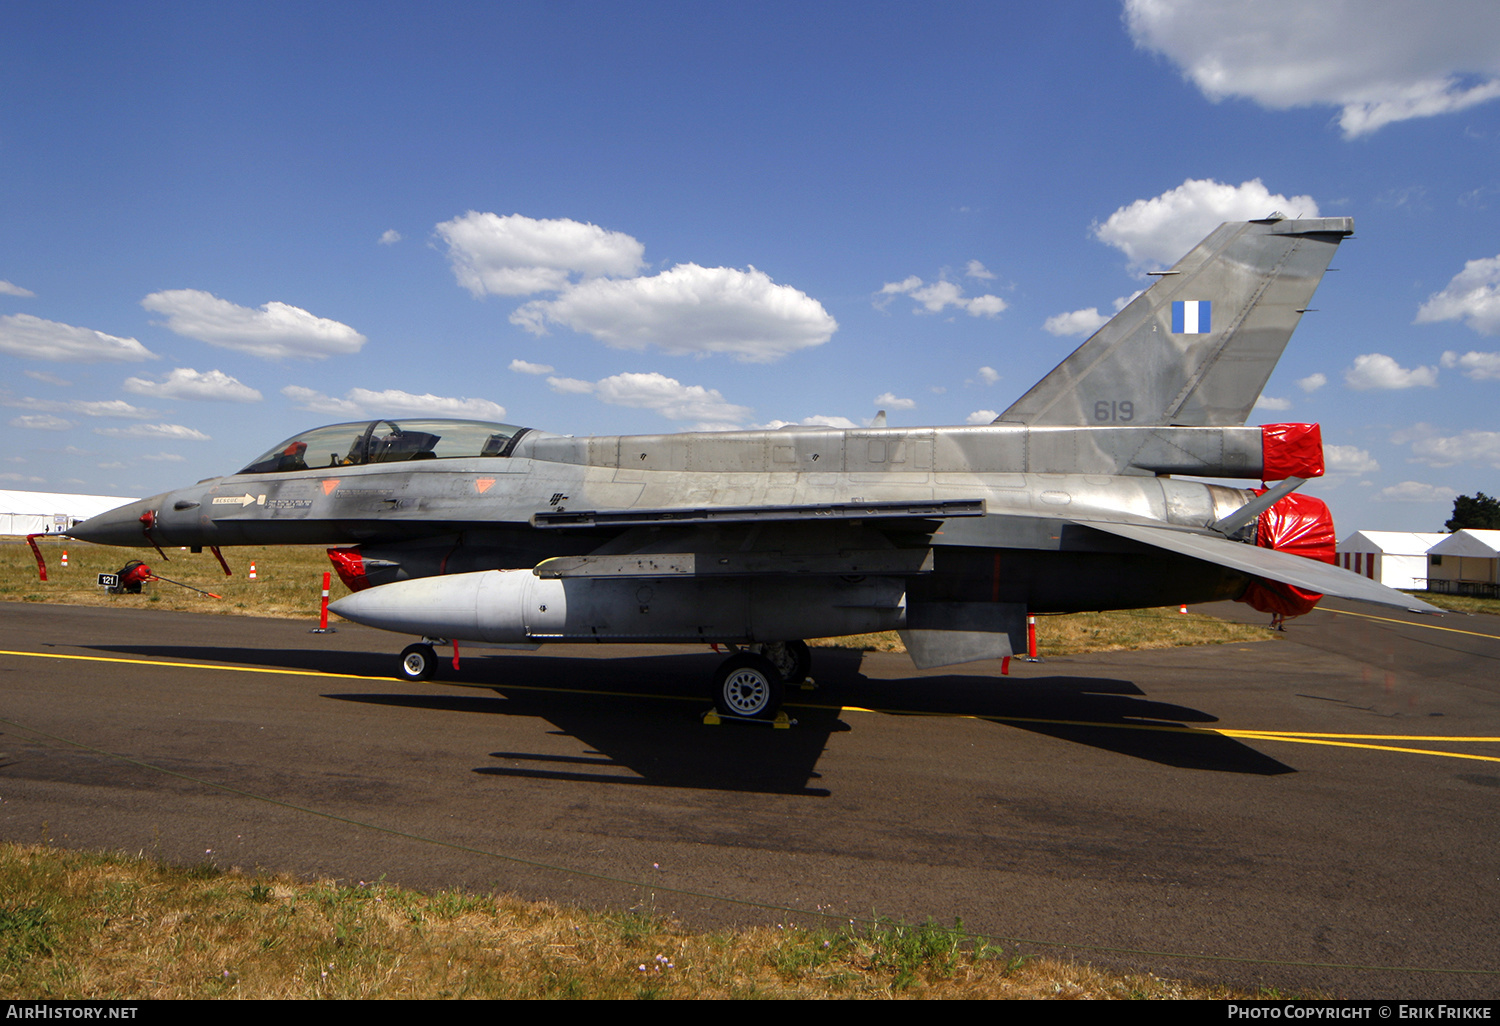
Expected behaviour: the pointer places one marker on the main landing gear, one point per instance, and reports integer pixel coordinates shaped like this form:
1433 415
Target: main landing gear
751 683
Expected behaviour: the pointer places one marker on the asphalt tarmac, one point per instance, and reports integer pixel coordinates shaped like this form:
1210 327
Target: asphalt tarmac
1316 812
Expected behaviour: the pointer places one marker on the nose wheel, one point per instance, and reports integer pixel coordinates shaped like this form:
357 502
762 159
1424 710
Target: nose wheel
417 662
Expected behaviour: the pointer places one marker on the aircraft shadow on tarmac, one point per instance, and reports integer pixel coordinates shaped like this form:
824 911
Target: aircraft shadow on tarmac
642 714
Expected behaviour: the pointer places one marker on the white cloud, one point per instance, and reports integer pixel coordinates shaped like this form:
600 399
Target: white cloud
570 386
1348 459
389 237
41 422
187 383
817 420
316 402
1076 322
169 431
1376 370
522 367
1473 296
981 417
978 270
989 375
361 402
1381 61
1416 491
165 457
1479 366
890 401
51 379
83 407
1082 323
940 295
22 477
274 331
689 310
1312 382
667 396
393 400
1472 446
1164 228
35 339
1267 402
516 255
7 289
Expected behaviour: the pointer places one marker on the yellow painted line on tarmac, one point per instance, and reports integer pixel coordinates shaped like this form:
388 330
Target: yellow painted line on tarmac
1295 737
341 676
191 666
1246 735
1409 623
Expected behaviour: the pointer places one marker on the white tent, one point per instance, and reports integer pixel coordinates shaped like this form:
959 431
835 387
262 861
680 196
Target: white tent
1466 563
1397 559
24 513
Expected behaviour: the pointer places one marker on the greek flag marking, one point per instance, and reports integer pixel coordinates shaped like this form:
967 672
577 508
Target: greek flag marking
1191 317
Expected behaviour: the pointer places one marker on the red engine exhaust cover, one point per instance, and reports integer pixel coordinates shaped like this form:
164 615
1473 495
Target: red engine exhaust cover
1291 450
1301 525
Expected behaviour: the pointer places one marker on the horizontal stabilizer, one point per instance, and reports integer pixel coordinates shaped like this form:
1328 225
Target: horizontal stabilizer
1298 571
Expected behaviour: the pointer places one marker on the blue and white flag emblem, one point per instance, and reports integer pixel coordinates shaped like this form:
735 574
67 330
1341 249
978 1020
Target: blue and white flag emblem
1191 317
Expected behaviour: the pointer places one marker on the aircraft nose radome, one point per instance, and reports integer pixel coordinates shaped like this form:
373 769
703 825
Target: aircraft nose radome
119 526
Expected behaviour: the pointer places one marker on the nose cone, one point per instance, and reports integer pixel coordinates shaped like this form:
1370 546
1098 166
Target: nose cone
120 526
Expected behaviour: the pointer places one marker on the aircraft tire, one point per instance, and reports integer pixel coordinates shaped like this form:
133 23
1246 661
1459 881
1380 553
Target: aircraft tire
417 662
749 686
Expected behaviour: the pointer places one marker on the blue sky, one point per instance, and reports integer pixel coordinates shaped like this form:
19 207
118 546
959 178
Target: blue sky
223 224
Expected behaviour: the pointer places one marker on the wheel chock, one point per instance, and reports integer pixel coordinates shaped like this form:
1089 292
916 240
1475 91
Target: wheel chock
808 684
782 721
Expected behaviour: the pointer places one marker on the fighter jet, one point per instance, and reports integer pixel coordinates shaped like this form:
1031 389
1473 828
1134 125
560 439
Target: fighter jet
1077 497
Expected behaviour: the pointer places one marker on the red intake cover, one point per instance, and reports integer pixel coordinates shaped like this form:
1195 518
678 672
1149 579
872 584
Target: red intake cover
1291 450
1301 525
351 568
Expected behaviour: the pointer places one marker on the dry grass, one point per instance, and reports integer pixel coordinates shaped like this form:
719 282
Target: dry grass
1115 631
289 578
82 925
1460 603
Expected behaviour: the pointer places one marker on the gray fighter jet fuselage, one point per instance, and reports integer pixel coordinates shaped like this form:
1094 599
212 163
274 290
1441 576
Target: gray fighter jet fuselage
1073 499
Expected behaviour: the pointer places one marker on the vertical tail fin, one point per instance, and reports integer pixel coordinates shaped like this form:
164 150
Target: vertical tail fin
1196 348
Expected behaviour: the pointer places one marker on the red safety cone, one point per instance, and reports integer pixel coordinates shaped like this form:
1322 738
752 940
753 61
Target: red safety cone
65 557
252 571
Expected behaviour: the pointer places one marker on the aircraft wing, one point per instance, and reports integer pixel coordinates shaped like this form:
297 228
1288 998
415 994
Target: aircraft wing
1298 571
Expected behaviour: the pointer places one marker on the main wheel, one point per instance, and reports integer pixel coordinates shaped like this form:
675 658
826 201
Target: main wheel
748 685
417 662
792 659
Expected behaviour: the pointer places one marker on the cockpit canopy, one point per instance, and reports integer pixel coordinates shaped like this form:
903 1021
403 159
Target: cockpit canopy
386 441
